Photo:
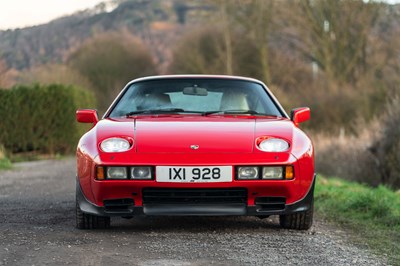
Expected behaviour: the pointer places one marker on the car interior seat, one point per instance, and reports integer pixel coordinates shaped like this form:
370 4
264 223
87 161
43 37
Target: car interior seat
154 101
234 101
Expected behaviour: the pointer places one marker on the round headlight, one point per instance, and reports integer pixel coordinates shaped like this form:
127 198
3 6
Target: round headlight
273 145
141 172
115 145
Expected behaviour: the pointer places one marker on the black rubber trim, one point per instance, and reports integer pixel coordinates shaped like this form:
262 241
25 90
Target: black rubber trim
87 207
196 209
299 206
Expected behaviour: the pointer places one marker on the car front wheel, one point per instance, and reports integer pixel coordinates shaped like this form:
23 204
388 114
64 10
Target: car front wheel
299 220
89 221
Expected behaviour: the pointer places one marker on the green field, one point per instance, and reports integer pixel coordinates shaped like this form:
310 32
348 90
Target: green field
372 213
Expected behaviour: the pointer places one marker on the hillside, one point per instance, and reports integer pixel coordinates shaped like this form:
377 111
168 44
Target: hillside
154 21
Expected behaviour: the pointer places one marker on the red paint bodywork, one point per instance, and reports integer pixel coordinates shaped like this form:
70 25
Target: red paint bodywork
165 140
223 139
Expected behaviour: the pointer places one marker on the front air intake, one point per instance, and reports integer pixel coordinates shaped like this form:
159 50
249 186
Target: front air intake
194 196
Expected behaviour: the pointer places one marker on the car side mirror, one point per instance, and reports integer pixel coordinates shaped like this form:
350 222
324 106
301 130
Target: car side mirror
87 116
300 115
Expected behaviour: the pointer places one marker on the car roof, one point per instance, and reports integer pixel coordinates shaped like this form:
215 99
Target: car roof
161 77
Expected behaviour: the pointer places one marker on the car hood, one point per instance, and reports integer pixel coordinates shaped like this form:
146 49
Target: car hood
186 134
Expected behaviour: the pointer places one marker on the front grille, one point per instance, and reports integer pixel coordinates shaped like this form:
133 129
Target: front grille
194 196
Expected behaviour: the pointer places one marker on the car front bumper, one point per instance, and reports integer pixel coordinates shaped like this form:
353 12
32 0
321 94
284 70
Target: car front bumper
263 206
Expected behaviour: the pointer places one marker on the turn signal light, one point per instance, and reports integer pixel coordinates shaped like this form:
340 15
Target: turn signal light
289 172
100 173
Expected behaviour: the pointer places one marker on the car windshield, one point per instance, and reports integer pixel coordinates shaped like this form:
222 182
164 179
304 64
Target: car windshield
205 96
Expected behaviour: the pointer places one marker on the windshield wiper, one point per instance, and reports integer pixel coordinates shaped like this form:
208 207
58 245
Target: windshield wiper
156 111
236 112
160 111
180 110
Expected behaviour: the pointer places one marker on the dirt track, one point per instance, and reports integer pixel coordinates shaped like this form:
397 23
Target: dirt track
37 228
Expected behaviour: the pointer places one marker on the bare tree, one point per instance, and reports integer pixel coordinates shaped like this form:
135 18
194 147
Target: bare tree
225 7
335 35
250 19
255 18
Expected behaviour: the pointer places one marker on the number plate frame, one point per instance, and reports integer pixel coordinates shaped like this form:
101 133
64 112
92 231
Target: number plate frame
185 174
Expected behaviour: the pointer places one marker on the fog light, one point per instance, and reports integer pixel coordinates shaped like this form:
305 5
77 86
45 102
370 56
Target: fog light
141 173
272 173
116 173
247 172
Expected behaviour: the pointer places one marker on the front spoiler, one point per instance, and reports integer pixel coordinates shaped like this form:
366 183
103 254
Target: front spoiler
195 209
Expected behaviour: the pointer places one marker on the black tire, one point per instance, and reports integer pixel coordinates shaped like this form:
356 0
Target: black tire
89 221
299 220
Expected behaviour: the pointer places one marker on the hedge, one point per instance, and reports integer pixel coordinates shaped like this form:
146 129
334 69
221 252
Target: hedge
41 118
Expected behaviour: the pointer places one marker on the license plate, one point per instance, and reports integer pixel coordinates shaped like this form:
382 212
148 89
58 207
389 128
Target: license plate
194 174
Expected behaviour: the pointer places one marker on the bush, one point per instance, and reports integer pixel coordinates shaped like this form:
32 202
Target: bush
109 61
372 156
348 156
54 74
41 118
386 148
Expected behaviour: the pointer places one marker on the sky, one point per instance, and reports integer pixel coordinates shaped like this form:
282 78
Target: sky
23 13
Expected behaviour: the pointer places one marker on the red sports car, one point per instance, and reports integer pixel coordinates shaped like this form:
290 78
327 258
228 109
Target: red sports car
195 145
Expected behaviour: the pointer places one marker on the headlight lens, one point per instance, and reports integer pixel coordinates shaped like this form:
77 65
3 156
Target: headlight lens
272 172
115 145
124 172
117 173
278 172
141 172
248 172
273 145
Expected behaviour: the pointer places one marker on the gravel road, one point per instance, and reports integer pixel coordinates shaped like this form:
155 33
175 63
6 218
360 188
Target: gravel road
37 228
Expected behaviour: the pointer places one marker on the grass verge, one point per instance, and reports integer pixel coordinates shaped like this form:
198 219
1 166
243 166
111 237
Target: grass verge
373 213
5 163
33 156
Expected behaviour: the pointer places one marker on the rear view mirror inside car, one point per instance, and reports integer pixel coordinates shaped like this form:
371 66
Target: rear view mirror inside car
195 91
